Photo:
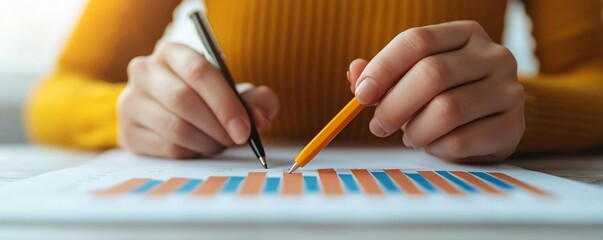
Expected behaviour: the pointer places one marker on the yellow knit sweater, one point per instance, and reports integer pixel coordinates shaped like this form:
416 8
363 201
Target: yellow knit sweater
302 50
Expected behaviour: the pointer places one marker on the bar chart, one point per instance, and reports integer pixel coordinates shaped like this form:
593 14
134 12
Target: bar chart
331 182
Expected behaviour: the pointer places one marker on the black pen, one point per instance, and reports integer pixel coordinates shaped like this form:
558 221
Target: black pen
212 48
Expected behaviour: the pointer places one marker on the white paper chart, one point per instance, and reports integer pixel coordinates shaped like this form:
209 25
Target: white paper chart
340 185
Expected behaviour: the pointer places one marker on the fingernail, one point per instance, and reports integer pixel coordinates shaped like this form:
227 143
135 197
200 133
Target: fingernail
367 91
351 85
406 142
376 128
238 130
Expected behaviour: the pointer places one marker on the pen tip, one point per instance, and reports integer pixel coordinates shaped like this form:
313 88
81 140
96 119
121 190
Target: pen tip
263 162
293 168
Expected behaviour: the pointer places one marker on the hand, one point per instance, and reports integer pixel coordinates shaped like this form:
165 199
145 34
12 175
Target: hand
177 105
451 89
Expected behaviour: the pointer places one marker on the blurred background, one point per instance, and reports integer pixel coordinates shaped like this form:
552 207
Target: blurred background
33 32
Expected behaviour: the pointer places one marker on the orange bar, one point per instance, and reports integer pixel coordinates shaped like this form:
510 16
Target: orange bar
440 182
330 182
477 182
253 183
292 184
403 182
167 187
211 186
519 183
367 182
124 187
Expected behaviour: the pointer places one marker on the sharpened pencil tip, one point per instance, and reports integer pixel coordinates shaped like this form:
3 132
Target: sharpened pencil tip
293 168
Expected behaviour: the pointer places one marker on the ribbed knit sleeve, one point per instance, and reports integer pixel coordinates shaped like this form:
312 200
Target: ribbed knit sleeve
75 105
74 110
302 48
564 103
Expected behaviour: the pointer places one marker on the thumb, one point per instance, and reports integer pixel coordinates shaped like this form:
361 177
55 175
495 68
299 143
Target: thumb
356 68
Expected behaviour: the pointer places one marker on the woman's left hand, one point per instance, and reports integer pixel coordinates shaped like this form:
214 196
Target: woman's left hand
451 89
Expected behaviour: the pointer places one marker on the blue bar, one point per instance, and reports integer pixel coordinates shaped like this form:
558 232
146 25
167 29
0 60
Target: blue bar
232 184
189 186
462 184
422 181
349 183
145 187
271 185
385 181
492 180
311 184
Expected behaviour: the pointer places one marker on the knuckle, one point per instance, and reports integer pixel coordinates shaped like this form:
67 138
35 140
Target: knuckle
435 71
181 96
473 25
457 146
517 121
516 93
505 57
419 39
198 68
178 129
514 124
521 126
124 103
121 103
447 110
137 65
164 48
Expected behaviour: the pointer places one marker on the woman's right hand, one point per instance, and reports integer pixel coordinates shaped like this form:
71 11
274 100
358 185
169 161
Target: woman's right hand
178 105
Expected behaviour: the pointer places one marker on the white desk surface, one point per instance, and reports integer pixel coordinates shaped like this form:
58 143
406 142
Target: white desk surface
24 161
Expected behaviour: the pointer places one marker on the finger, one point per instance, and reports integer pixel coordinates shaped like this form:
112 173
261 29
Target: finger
425 80
495 136
143 141
174 128
265 99
406 49
217 93
183 101
356 68
459 106
260 119
264 105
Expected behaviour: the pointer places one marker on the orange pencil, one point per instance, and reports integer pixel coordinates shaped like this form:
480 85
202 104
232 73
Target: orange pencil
327 134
